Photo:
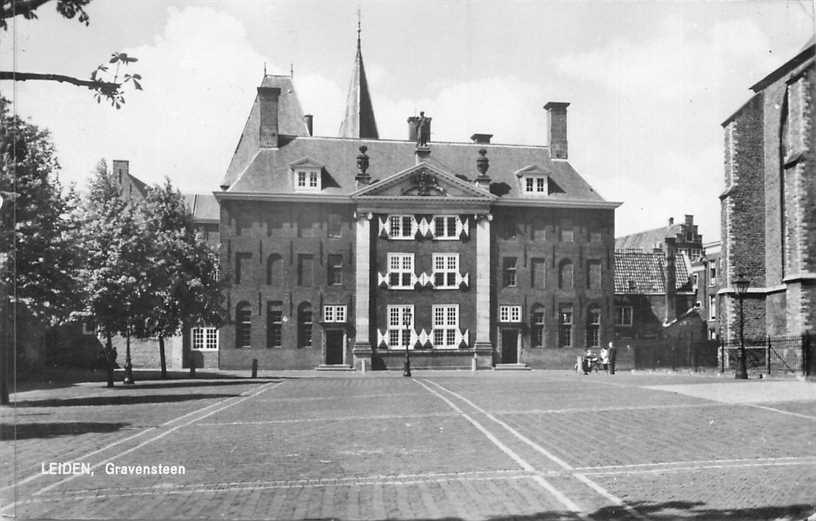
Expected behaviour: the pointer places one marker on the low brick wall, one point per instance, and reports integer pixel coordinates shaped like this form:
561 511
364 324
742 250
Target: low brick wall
426 359
270 358
565 358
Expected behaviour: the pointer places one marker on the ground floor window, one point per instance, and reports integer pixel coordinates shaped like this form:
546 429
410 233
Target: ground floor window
593 331
274 326
400 325
537 328
565 326
204 338
509 313
243 325
624 316
305 325
445 325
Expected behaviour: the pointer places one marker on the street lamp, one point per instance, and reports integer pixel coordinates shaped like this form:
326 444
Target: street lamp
741 285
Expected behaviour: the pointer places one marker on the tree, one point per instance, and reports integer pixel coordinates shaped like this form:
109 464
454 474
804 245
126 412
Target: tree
183 270
114 275
103 82
42 253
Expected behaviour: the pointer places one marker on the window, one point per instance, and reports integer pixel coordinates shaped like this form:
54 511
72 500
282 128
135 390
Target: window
305 325
305 270
593 331
509 271
624 316
539 278
712 307
445 325
204 338
565 326
565 276
334 226
274 270
335 267
537 327
535 185
243 325
594 274
445 226
307 180
509 313
567 235
695 280
402 226
712 276
334 313
400 325
445 269
400 270
274 325
240 259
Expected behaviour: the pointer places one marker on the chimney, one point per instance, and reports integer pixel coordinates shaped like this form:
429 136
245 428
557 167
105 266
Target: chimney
121 168
689 220
670 279
309 119
481 139
482 164
412 128
557 129
268 100
671 221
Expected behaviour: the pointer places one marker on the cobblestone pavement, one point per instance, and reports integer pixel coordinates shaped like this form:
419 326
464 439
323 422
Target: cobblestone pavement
442 445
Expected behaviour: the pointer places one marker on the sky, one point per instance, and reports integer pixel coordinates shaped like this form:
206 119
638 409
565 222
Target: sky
648 83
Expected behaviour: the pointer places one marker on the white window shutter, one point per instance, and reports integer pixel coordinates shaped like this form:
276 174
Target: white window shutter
465 227
414 279
382 277
381 339
414 226
458 226
462 279
457 337
413 339
385 227
466 337
423 337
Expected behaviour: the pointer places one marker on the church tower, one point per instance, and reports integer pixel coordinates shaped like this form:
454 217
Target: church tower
359 121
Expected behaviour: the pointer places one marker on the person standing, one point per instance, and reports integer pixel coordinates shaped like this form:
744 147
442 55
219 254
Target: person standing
605 358
613 353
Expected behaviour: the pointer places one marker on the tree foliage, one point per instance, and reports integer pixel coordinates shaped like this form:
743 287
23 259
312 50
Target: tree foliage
42 253
105 81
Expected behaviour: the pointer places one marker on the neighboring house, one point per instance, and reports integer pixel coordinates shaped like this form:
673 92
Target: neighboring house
652 289
351 250
687 239
706 281
768 217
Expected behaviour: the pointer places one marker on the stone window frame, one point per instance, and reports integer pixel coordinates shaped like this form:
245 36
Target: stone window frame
402 221
535 185
509 272
204 338
274 325
537 326
509 313
243 325
566 319
396 262
621 318
594 321
307 180
334 272
448 273
449 227
335 313
397 327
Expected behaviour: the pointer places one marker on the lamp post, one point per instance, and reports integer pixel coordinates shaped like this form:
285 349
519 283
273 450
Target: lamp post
406 369
741 285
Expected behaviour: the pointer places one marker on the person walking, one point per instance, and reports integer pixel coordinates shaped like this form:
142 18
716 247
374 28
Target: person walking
612 354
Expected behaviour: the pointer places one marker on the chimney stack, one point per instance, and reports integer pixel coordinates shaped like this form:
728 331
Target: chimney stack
557 129
121 168
268 99
309 119
481 139
670 279
671 221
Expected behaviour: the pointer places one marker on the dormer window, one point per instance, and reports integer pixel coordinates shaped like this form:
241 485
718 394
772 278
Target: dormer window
535 185
307 180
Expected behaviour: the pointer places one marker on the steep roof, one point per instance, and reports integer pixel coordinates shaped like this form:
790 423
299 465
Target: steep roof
203 206
290 123
647 240
268 172
646 272
802 56
358 121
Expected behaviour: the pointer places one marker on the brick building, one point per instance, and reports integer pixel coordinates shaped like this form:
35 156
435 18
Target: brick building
767 206
348 250
706 281
687 239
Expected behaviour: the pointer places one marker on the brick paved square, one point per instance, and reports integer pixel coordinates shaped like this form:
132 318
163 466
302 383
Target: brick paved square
440 445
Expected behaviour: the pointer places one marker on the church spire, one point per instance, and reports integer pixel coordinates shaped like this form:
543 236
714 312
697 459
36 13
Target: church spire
359 121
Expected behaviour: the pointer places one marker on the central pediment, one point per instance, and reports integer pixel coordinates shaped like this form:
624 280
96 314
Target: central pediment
423 180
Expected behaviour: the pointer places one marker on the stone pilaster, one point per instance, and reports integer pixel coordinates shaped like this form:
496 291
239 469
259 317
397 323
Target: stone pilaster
483 281
362 266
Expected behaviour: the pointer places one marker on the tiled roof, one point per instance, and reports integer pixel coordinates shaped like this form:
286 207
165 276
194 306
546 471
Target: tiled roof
268 170
647 240
203 206
640 272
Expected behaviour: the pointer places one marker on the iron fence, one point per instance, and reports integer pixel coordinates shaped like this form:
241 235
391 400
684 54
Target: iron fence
791 354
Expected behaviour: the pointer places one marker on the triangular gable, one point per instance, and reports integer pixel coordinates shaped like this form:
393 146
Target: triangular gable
305 162
423 180
532 170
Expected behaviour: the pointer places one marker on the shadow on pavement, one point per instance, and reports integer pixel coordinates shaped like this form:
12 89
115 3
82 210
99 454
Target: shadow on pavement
119 400
196 383
47 430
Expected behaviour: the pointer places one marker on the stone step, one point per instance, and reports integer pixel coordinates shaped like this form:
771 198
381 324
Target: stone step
324 367
512 367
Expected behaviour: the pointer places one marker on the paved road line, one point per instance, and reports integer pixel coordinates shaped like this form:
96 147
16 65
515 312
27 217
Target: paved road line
690 462
330 419
567 502
695 468
338 397
154 438
615 408
115 443
566 466
781 411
